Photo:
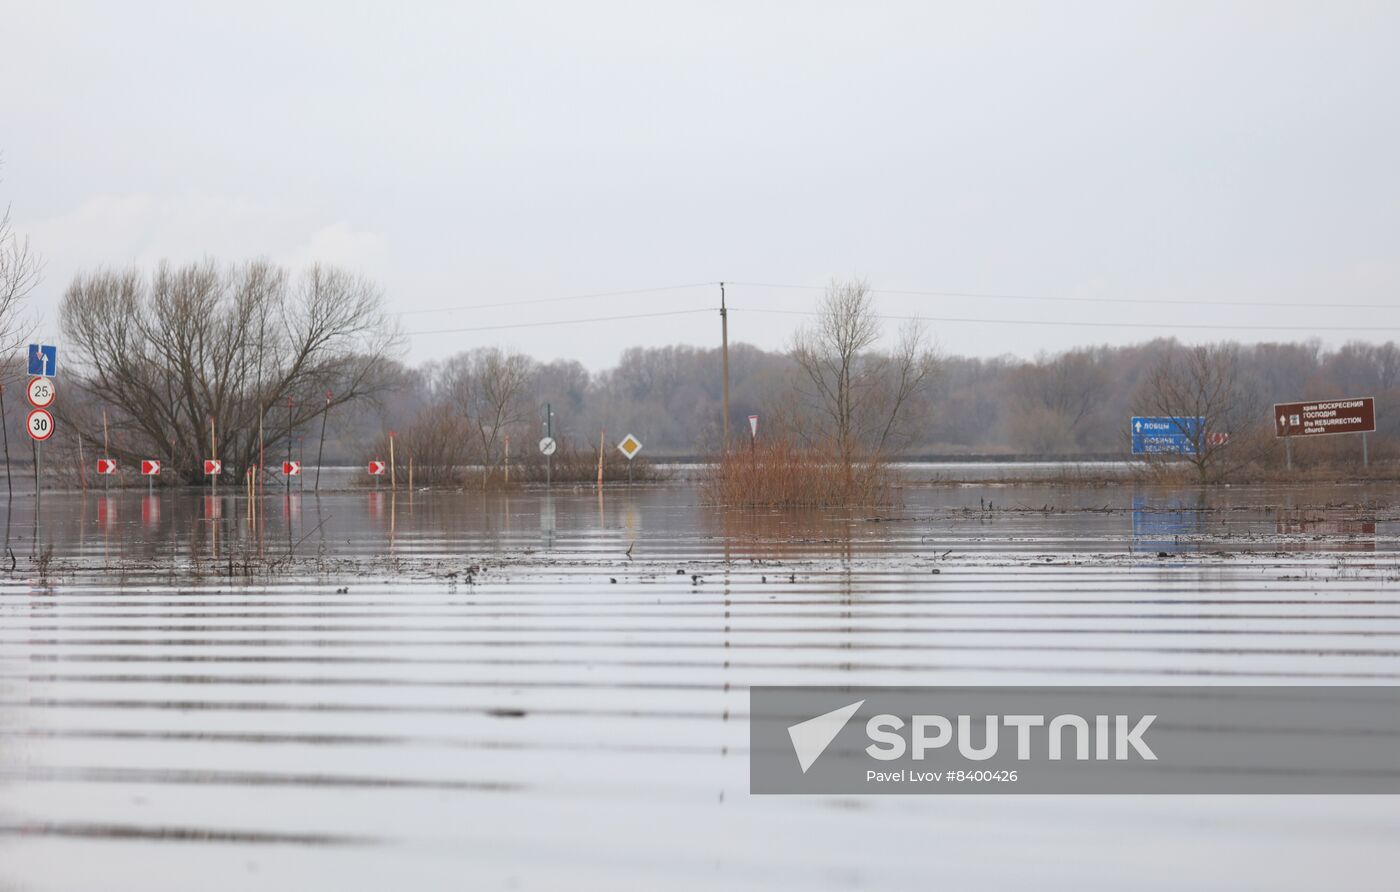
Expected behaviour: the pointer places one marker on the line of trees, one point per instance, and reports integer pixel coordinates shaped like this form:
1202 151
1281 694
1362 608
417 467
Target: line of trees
271 354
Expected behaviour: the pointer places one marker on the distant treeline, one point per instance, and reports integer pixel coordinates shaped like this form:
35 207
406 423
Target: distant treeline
1075 403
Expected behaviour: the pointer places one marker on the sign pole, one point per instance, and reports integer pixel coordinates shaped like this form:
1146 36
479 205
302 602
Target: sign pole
393 476
289 444
548 432
1365 453
38 484
106 450
82 464
1288 454
6 426
214 448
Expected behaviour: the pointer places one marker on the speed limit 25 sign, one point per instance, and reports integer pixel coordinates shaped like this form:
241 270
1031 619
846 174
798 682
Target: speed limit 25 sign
40 392
39 423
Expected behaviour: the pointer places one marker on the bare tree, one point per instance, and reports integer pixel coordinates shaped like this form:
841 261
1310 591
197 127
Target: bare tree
19 273
1202 389
1053 399
245 347
862 398
492 388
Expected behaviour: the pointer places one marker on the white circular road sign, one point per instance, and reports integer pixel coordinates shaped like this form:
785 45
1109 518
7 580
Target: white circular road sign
547 446
39 424
41 392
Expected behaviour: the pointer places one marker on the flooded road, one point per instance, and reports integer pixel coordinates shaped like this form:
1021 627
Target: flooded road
535 691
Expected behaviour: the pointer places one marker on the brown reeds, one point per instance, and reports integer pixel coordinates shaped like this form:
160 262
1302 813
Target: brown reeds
781 474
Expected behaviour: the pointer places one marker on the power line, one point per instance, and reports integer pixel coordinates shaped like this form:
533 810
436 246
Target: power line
625 316
1106 300
1070 323
549 300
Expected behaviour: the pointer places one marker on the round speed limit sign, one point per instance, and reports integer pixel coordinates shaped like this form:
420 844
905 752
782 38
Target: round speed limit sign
41 392
39 424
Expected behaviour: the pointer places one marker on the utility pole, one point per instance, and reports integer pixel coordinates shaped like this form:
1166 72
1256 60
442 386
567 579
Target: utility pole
724 350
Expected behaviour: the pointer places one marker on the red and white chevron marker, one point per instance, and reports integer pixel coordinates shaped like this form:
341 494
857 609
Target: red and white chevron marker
213 466
376 468
291 468
149 468
106 466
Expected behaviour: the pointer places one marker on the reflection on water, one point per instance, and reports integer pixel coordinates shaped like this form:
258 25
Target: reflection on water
1171 524
370 689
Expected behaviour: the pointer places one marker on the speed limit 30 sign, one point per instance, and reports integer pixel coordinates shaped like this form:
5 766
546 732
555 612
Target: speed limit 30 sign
39 423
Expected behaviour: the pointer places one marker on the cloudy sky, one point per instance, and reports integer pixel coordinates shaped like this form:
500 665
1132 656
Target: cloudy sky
1030 176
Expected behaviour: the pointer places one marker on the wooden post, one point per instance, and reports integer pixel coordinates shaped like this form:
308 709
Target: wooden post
262 454
600 458
321 449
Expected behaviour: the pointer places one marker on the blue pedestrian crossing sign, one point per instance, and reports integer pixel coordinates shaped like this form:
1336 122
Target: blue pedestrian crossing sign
43 360
1167 435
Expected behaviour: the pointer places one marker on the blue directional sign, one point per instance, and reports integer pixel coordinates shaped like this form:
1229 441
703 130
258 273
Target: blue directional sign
43 360
1164 435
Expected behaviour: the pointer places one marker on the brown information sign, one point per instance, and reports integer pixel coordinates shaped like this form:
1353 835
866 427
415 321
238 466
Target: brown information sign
1348 416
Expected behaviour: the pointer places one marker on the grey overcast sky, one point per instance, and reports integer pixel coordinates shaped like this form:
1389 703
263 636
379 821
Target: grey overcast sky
1177 154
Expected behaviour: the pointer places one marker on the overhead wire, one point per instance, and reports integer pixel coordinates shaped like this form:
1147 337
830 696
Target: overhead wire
1140 301
740 307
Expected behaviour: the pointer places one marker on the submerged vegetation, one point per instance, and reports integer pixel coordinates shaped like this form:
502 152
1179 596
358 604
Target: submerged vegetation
782 474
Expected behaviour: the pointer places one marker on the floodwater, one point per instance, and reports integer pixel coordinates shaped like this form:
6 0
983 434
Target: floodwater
538 691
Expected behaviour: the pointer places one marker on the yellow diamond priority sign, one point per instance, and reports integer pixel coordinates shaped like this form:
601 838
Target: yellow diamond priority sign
630 446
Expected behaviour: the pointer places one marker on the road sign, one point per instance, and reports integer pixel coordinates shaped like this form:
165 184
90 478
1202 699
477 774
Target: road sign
41 393
1166 435
1349 416
106 466
630 446
43 360
291 468
753 426
39 424
376 468
213 466
149 468
548 446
